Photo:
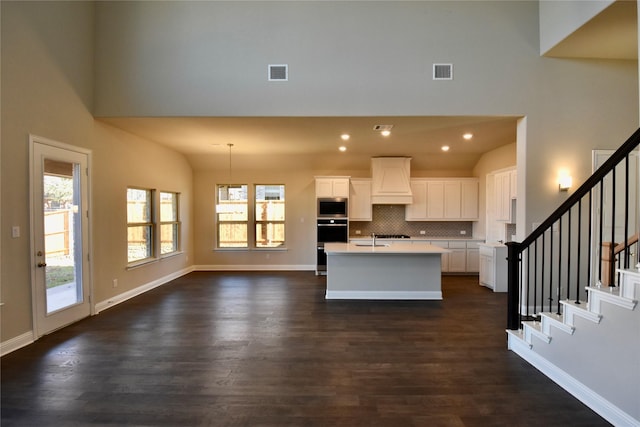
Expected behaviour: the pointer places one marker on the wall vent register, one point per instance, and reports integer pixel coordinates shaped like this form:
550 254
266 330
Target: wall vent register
278 73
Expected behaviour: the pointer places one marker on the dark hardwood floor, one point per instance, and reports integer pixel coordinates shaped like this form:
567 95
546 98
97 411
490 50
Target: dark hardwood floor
266 349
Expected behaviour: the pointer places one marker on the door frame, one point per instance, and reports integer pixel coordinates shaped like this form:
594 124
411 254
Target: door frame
33 217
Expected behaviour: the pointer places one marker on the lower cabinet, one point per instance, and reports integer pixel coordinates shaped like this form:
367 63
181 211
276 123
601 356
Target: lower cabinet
473 257
457 257
493 267
462 258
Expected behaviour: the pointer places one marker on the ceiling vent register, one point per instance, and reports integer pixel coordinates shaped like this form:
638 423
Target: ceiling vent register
278 73
442 71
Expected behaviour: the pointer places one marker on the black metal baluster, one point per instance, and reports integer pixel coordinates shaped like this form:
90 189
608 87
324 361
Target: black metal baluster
590 232
626 213
613 224
542 264
528 281
579 240
569 256
601 223
551 262
559 257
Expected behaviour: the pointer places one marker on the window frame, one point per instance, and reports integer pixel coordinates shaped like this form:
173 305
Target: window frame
257 222
219 223
149 225
176 224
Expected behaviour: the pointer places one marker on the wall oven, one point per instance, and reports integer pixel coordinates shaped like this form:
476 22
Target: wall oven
334 207
329 230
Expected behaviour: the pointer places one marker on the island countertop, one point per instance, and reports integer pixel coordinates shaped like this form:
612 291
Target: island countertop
383 248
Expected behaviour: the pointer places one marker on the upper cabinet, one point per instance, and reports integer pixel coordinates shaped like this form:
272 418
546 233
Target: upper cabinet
360 200
390 182
332 186
505 189
451 199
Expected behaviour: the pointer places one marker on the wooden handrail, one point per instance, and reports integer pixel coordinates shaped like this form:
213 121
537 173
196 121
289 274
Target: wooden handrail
621 246
610 253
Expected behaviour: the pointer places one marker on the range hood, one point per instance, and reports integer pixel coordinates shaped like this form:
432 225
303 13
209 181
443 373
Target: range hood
390 183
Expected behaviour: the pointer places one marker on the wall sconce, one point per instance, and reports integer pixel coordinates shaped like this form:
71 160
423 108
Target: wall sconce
564 181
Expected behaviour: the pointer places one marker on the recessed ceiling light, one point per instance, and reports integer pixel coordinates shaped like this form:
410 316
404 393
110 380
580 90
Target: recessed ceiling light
342 148
345 136
445 148
467 136
385 133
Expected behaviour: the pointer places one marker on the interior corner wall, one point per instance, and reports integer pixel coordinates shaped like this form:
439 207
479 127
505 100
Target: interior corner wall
46 83
559 19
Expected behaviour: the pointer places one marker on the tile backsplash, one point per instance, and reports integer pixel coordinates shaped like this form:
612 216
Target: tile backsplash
389 219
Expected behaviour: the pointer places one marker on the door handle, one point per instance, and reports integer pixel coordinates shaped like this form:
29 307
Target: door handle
42 264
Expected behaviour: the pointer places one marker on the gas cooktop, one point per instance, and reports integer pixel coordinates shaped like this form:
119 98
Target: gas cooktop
392 236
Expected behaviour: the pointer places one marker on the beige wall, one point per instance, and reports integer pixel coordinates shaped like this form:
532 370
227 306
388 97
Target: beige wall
300 221
47 69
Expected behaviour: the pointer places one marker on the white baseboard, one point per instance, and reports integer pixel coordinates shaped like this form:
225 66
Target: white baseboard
15 343
117 299
593 400
252 267
385 295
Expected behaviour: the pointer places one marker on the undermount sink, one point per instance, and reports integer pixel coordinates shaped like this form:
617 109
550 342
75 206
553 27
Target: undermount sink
372 245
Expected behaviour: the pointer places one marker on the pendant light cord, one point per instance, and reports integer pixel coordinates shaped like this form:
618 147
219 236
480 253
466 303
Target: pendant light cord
230 177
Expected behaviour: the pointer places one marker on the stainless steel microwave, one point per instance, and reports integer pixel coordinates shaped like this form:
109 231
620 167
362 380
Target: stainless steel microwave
333 207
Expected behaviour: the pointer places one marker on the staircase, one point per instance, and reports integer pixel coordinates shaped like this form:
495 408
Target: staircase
584 335
601 338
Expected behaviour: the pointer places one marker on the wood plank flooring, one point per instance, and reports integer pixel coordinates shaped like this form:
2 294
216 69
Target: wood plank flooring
266 349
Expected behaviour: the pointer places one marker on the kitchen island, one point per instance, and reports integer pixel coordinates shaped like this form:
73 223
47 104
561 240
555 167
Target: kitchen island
398 271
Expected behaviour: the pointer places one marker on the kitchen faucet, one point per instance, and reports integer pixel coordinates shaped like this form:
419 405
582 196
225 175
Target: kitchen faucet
373 239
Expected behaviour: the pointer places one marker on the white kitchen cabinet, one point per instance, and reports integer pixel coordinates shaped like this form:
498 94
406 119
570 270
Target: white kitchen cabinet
513 183
435 199
457 257
469 199
493 267
360 200
473 257
453 199
417 211
332 186
503 195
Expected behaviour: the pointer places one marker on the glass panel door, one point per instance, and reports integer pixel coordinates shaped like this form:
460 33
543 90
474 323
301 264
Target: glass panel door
60 234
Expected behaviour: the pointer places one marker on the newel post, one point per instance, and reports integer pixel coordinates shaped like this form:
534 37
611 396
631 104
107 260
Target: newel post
513 282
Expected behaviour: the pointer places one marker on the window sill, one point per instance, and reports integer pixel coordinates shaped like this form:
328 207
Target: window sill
278 249
142 263
171 255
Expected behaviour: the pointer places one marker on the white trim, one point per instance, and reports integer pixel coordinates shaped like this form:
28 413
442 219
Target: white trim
115 300
593 400
16 343
252 267
385 295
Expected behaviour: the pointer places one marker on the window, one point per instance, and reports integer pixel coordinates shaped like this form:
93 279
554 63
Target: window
269 216
232 211
139 224
169 223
